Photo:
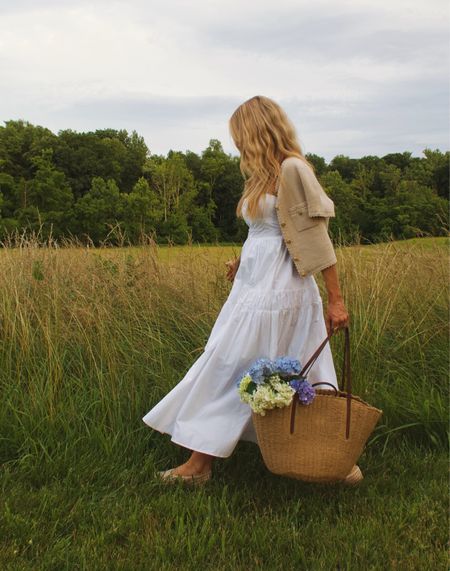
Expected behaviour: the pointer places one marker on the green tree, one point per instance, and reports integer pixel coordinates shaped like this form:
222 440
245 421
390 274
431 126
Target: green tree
8 188
441 171
346 166
20 142
50 194
170 178
319 163
106 153
400 160
345 224
142 210
98 211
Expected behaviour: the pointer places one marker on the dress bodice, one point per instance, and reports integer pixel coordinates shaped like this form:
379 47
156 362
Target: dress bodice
267 224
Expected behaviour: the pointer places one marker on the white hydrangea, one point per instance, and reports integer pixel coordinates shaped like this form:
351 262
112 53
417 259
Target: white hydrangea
245 396
274 393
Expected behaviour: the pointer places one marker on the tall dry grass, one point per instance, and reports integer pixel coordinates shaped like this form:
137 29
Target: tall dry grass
92 338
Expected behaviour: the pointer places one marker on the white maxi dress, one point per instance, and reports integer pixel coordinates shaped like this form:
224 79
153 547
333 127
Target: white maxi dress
271 311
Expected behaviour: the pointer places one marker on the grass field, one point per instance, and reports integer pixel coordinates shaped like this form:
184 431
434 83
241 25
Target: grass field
91 339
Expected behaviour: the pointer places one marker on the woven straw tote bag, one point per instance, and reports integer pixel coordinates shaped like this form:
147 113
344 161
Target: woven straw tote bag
321 441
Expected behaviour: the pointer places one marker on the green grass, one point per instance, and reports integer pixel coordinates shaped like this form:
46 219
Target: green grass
103 512
92 338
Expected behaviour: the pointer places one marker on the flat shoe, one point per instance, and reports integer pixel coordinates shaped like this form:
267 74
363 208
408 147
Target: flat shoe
354 477
194 479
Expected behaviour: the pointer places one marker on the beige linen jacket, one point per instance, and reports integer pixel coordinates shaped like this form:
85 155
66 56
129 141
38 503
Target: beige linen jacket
303 211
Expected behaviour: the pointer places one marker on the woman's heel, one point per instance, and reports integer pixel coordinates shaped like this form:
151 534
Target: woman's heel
354 477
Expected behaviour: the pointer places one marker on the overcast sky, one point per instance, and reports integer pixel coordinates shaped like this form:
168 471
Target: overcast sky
356 77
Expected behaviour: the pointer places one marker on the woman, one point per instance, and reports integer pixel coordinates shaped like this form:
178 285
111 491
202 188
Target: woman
274 307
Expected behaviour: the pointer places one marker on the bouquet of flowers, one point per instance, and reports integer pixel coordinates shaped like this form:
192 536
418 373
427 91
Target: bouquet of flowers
268 384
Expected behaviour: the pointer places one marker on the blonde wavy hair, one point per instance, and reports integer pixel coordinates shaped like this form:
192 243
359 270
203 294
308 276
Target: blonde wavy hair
264 136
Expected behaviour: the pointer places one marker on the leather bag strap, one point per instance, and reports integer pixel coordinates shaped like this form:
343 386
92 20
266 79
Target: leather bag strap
346 381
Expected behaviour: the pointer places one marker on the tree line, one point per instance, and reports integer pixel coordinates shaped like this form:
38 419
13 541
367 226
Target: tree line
105 187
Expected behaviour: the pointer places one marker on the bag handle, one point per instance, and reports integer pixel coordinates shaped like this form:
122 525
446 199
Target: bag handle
345 373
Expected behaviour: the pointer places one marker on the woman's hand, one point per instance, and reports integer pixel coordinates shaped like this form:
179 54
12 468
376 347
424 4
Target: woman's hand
337 316
233 266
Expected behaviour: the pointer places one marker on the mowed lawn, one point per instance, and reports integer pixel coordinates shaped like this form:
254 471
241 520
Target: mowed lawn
91 339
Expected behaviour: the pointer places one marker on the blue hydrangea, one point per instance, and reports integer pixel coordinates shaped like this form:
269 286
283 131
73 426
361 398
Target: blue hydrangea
263 368
305 390
286 366
260 369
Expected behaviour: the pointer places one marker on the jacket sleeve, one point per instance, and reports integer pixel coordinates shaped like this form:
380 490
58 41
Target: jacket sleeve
317 247
318 201
309 218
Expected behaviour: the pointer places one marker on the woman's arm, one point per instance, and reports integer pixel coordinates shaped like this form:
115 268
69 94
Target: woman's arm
337 315
331 280
232 267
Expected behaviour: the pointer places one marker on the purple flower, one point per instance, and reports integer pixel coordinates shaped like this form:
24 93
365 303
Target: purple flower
306 392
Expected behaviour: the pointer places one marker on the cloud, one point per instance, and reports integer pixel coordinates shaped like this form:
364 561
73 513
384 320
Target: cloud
356 77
